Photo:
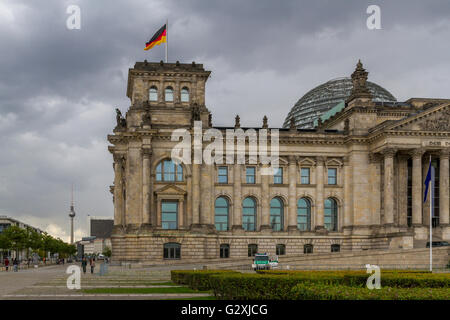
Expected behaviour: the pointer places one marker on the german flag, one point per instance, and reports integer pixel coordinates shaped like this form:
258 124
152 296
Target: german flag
158 38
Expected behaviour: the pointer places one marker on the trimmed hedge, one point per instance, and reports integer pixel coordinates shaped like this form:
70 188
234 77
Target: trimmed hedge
272 285
197 280
305 291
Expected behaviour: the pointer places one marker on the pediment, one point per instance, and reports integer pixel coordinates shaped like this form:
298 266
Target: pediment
170 189
334 163
307 162
433 119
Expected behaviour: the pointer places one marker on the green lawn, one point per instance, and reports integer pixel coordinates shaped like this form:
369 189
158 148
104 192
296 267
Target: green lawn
141 290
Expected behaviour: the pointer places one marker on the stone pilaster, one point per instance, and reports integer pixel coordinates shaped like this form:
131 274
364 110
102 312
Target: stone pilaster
375 187
319 218
444 188
389 154
119 214
292 212
417 194
195 194
205 189
348 194
402 199
237 208
146 160
265 209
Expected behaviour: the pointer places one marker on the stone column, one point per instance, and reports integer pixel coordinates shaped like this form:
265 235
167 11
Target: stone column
319 218
118 190
389 154
292 213
417 194
237 207
402 199
265 211
444 187
146 155
195 194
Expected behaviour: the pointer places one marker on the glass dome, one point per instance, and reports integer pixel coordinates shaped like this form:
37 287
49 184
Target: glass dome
324 97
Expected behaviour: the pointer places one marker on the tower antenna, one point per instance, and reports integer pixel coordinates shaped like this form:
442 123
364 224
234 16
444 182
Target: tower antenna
71 215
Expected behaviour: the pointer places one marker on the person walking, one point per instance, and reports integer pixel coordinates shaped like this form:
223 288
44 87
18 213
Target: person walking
84 264
92 262
7 263
15 264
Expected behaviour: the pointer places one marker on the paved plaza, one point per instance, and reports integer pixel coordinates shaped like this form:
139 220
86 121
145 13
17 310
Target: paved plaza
50 283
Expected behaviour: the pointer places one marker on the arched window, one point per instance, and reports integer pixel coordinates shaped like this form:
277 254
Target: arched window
304 214
308 248
335 248
330 218
167 170
168 94
276 214
153 94
252 250
224 250
221 209
185 95
172 250
280 249
249 214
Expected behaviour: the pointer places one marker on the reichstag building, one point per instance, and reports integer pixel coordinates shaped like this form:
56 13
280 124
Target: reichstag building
351 169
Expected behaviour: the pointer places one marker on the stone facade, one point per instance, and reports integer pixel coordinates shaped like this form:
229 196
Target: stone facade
376 153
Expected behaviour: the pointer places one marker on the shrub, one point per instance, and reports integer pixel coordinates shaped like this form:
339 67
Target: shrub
304 291
197 280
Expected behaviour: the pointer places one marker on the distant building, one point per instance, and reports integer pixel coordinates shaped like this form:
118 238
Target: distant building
100 236
6 222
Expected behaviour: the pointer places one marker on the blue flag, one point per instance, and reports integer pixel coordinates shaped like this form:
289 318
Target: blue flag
428 179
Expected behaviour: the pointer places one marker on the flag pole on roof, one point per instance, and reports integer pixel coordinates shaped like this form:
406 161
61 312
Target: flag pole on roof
167 40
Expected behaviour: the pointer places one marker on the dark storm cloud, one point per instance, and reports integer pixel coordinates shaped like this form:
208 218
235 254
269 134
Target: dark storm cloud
59 87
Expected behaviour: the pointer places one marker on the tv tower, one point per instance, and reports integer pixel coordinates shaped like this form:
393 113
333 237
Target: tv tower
71 215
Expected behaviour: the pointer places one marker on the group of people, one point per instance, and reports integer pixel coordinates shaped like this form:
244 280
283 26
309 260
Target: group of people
15 264
91 263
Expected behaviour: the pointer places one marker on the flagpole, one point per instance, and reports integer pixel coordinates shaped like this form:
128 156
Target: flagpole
167 39
431 217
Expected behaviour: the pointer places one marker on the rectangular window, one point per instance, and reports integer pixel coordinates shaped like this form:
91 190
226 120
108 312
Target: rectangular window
224 250
332 176
278 176
169 215
223 174
304 173
250 175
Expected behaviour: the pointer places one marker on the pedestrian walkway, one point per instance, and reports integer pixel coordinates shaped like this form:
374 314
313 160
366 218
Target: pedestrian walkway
51 283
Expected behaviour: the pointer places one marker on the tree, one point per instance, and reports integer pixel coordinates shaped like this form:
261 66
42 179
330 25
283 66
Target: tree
107 252
17 238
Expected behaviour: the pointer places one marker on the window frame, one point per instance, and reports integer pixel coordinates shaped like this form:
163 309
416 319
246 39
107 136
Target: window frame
150 94
251 251
308 213
184 94
224 248
254 214
170 212
335 170
333 214
280 246
222 215
219 175
279 175
280 214
334 246
308 177
247 175
176 249
161 175
308 248
169 90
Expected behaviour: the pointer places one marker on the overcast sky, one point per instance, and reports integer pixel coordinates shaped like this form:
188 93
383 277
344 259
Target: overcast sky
59 87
